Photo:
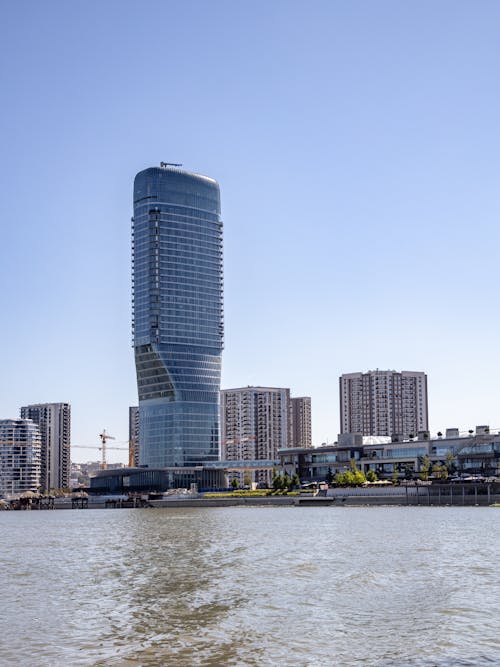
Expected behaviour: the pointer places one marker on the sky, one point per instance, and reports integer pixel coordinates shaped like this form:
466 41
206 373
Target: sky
357 148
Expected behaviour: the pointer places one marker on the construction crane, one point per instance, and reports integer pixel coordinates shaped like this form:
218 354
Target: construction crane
103 448
104 438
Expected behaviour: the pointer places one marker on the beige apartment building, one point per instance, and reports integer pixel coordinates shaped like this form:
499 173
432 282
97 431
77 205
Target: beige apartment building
384 403
301 421
255 423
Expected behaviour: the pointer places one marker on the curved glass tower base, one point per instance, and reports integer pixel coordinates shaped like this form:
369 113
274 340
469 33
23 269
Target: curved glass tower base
177 267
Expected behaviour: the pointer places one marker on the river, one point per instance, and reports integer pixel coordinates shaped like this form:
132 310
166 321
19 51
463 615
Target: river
257 586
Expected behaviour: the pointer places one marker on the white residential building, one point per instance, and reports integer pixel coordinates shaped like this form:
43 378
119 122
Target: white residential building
20 456
384 403
54 422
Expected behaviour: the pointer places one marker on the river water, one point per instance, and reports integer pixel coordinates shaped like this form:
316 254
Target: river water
390 586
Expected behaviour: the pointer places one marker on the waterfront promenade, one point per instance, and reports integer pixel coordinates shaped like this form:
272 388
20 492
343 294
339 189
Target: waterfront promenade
452 494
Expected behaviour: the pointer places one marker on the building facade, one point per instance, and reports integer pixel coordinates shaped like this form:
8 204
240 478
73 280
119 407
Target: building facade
255 424
384 403
177 315
475 453
20 456
54 422
301 421
133 435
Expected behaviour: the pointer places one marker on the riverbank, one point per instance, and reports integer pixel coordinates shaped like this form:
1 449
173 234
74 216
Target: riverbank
435 495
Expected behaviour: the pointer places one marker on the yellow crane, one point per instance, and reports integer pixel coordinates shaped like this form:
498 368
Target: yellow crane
104 438
103 448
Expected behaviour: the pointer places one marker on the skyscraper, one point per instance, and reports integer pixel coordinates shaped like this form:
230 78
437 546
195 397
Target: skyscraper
54 422
177 315
384 403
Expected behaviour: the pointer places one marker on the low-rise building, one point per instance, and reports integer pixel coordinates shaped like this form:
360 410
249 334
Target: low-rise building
472 453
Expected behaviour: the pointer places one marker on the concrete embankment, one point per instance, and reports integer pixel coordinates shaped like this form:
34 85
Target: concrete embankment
433 495
225 502
457 495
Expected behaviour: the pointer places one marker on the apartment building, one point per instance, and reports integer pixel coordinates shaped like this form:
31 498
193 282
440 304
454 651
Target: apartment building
255 424
20 456
301 421
384 403
54 422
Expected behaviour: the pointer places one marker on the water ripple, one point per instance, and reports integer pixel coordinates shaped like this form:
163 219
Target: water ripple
250 586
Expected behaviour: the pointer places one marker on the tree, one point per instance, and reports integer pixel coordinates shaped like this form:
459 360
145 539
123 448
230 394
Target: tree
425 466
436 470
277 481
329 476
371 476
350 478
359 478
286 482
443 473
295 481
247 479
234 483
339 479
450 463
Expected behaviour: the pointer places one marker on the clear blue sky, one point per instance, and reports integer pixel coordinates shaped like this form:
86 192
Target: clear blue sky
357 148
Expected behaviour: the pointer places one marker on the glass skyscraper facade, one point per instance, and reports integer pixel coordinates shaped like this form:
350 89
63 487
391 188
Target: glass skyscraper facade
177 315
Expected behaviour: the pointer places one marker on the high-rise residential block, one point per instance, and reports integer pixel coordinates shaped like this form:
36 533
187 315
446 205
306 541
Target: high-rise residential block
255 423
20 456
133 435
177 315
54 422
301 421
385 403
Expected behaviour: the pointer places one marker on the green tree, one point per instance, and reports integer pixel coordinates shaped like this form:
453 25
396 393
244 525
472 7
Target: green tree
450 463
371 476
349 478
425 466
234 483
247 479
277 481
359 478
295 481
339 479
286 482
436 470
